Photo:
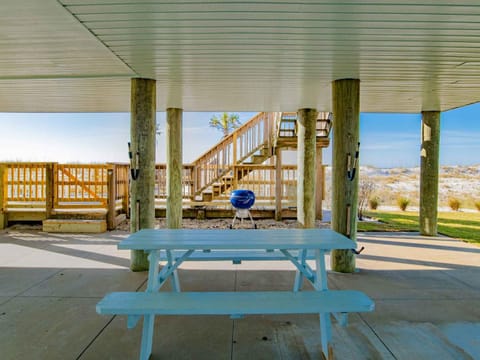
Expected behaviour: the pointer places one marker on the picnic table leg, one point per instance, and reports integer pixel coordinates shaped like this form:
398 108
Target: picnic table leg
297 285
174 278
147 337
149 320
325 322
326 334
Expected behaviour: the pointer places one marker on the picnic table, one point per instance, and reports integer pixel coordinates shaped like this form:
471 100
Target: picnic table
178 245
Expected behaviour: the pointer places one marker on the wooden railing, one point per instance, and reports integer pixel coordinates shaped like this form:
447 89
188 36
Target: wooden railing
62 186
255 134
75 186
161 181
80 186
26 185
122 187
261 180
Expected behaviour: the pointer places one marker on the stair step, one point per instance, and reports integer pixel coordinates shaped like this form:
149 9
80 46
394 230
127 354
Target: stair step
74 226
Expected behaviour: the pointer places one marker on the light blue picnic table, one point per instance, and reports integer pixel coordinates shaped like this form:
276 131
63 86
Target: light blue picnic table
180 245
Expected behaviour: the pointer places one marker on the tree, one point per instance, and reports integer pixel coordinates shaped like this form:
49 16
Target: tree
365 190
225 122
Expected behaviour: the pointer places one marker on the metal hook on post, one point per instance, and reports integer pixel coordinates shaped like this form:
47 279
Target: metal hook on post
352 165
134 171
357 252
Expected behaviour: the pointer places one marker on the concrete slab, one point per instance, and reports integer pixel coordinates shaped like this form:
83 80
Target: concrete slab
42 250
405 284
204 280
277 337
15 281
48 328
175 337
414 280
358 341
468 277
88 283
428 310
207 280
268 280
418 341
4 299
465 335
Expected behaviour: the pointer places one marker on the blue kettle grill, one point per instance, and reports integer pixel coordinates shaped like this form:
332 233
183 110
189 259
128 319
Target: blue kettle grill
242 201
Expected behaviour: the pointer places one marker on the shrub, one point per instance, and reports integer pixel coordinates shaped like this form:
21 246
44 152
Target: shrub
454 204
477 205
373 203
403 203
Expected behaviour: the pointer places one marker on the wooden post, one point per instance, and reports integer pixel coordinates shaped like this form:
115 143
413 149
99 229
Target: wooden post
112 197
319 185
174 168
234 150
306 154
126 192
429 172
50 189
142 132
278 184
345 167
3 196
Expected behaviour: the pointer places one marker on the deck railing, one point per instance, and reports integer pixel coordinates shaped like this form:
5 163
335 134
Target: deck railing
161 181
26 185
261 180
80 186
87 186
234 148
51 188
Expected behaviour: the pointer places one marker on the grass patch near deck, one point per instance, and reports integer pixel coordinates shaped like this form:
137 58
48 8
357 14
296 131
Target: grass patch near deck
455 224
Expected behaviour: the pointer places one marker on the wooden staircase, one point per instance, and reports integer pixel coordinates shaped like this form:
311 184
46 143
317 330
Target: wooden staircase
253 143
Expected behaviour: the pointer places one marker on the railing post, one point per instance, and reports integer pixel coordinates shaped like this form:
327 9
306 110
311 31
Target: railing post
3 196
112 197
235 176
234 160
50 189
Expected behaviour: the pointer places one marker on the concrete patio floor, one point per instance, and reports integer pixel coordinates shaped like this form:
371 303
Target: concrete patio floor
426 290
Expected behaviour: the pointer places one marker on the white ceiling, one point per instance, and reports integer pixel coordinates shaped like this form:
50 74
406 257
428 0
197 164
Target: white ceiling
280 55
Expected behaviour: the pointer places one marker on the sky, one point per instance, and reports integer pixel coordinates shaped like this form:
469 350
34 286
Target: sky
387 140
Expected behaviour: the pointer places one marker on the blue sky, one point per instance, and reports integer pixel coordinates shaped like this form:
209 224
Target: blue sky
387 140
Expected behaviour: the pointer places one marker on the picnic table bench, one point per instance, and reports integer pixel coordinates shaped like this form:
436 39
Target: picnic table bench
180 245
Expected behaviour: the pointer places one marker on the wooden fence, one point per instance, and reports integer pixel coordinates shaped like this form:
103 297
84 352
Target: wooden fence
41 190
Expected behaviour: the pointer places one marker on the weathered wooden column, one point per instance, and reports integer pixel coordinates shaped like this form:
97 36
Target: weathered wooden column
142 131
345 168
3 197
174 168
429 172
50 169
306 161
278 184
112 197
319 185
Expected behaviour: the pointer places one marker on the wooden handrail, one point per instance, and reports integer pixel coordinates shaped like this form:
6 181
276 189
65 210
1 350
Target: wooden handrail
233 149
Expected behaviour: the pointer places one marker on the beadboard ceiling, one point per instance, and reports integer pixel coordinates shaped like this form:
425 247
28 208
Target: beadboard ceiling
279 55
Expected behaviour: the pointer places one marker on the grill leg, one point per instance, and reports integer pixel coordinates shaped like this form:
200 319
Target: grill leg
251 219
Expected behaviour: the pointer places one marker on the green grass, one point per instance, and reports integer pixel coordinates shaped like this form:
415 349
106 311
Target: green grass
460 225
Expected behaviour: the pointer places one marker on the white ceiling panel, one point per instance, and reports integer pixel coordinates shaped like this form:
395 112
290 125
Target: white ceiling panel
78 55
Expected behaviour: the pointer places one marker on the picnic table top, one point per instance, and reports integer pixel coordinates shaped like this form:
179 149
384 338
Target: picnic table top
203 239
